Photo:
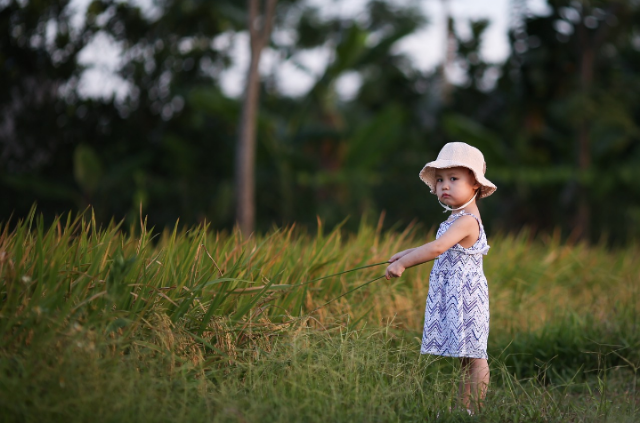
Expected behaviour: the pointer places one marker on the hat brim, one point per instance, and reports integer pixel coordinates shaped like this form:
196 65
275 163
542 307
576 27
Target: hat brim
428 176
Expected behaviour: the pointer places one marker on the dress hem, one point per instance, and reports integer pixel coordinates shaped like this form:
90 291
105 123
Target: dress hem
461 355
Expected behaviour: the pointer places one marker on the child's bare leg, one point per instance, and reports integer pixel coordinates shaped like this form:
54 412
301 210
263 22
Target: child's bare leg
464 388
474 383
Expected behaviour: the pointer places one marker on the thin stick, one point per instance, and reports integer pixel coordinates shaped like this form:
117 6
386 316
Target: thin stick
341 273
348 292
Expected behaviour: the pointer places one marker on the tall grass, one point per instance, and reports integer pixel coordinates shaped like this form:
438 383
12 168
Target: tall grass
198 324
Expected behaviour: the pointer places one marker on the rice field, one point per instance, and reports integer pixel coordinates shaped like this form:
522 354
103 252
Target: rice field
105 323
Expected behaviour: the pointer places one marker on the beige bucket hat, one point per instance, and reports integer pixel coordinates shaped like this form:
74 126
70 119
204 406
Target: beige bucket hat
456 154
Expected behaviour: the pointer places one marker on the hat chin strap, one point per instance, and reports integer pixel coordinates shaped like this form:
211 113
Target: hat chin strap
447 208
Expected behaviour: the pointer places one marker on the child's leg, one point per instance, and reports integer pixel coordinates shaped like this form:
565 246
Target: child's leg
474 383
464 387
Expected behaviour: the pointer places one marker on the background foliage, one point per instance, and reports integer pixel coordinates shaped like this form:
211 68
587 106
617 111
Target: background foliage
558 127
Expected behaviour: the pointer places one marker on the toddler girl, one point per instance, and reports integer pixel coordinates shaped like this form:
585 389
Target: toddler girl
457 313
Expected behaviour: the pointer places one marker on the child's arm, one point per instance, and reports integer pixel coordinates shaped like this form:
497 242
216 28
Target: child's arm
462 228
398 256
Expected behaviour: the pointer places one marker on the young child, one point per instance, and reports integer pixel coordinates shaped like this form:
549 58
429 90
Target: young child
457 314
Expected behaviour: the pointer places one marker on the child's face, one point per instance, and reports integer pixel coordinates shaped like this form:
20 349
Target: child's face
455 186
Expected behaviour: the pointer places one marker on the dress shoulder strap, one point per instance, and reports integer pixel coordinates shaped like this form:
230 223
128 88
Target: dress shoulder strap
464 213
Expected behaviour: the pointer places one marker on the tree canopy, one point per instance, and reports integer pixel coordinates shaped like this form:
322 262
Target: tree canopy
557 121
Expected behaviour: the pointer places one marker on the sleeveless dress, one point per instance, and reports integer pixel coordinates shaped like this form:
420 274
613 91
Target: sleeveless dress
457 315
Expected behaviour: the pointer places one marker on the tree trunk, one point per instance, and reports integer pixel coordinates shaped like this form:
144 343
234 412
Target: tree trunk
584 149
589 45
246 147
449 53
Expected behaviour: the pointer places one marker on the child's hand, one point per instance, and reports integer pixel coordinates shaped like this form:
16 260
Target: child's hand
394 270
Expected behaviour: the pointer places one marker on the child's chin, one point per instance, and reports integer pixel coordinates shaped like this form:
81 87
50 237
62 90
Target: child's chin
452 204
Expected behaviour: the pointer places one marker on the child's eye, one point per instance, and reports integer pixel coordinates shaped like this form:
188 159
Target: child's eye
453 178
438 179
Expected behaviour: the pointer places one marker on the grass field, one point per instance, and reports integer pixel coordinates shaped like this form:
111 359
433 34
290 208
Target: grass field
106 324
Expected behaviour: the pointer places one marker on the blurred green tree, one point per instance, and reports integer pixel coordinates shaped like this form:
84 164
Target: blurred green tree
39 47
565 108
557 121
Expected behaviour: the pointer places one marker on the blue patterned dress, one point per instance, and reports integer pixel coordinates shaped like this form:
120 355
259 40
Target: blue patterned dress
457 316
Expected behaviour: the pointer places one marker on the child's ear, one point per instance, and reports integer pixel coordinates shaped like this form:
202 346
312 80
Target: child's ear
478 189
477 185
